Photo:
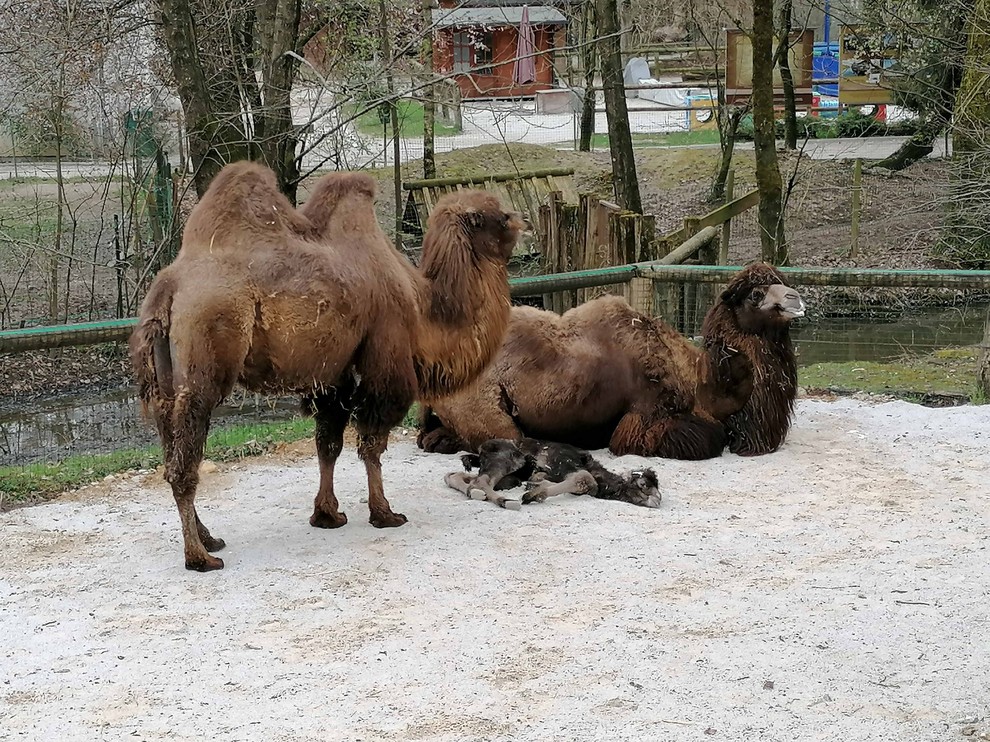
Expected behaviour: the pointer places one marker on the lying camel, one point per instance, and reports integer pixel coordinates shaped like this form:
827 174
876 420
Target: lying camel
604 374
548 470
316 301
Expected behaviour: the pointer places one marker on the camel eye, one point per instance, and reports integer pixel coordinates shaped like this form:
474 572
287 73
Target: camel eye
757 296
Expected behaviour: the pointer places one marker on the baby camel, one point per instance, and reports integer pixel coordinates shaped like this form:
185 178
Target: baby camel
548 470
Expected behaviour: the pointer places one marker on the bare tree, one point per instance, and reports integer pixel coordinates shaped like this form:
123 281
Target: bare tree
771 217
234 63
429 99
928 74
786 75
589 61
624 178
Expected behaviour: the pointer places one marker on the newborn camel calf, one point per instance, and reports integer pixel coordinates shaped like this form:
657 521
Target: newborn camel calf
547 470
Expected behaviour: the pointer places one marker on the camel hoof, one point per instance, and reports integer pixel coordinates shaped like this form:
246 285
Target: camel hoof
319 519
389 520
529 499
204 564
214 544
512 505
476 494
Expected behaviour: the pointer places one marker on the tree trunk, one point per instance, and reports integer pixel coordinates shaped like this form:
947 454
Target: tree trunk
728 126
967 240
215 137
429 100
589 61
983 375
279 27
393 116
920 145
786 76
768 179
624 179
229 117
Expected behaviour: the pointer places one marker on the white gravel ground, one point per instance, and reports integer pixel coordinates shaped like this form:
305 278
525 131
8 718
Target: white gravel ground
836 590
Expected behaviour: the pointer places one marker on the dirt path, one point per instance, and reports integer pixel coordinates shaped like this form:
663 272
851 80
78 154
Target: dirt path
836 590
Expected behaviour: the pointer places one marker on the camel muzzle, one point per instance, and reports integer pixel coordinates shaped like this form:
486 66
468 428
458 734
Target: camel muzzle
785 300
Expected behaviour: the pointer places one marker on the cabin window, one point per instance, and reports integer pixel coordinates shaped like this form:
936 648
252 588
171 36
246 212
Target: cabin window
473 52
463 46
484 45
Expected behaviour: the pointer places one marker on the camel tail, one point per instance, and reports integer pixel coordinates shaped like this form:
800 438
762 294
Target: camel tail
151 357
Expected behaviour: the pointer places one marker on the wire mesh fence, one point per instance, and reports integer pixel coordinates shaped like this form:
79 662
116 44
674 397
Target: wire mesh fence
834 218
918 342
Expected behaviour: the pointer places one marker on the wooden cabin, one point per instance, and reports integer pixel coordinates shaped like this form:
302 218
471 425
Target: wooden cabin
477 42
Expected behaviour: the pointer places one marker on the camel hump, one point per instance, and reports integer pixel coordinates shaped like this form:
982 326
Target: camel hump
242 199
334 189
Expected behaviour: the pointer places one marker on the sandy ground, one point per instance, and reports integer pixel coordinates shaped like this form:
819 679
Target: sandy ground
836 590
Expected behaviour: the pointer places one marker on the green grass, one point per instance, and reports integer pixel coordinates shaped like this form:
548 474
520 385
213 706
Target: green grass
410 122
38 481
9 184
673 139
944 372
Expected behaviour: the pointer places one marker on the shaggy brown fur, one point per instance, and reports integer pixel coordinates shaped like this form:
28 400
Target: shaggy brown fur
548 469
316 301
605 375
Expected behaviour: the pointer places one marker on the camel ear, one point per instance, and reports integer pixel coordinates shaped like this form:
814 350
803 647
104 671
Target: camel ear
735 294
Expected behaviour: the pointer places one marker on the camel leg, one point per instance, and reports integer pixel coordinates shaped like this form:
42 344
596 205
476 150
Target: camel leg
469 485
331 413
163 421
370 449
578 483
190 424
481 489
460 481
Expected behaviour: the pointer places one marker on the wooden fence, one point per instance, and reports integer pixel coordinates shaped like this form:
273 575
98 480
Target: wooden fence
595 234
521 191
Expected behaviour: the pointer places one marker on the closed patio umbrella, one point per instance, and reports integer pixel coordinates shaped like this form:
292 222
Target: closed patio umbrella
524 70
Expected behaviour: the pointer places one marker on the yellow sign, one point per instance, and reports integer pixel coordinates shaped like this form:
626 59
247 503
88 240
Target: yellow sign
865 59
739 66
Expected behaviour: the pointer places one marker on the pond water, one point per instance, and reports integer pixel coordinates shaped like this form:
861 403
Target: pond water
52 429
917 332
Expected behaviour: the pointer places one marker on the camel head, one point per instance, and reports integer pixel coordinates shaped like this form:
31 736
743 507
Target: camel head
473 222
761 300
647 483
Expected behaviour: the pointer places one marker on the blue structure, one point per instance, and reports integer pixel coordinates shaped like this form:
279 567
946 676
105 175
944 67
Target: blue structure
825 66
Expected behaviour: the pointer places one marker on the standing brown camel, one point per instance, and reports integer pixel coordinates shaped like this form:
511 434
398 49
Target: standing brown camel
317 302
605 375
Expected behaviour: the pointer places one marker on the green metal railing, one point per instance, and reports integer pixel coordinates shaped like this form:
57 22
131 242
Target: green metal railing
91 333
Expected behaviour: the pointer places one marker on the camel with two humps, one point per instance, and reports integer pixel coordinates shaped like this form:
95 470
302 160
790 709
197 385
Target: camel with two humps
316 301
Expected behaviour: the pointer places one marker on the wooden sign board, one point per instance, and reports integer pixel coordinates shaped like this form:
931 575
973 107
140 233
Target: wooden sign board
739 67
865 59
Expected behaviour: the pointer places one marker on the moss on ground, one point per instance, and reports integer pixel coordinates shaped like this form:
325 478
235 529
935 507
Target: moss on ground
950 372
